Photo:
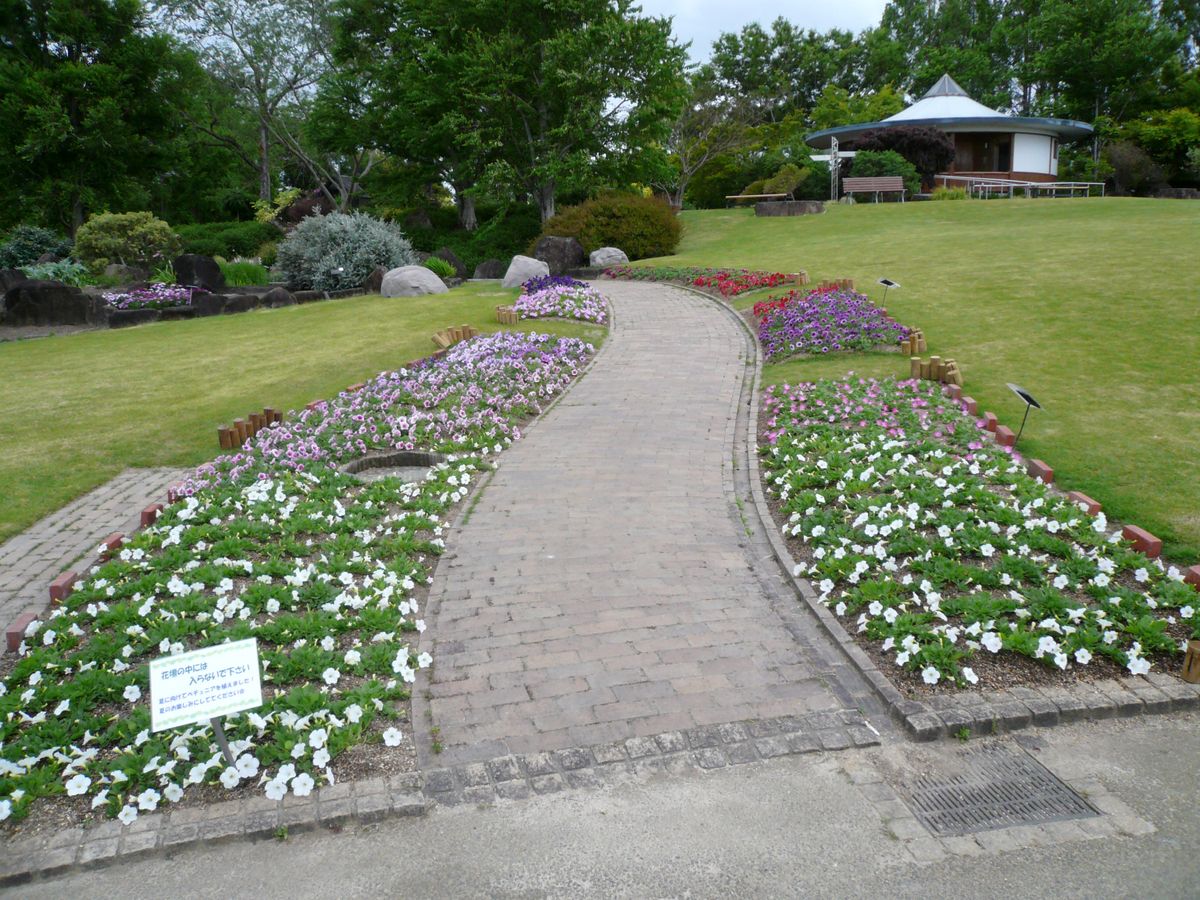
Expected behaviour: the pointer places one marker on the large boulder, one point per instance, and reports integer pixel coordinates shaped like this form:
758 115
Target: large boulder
207 304
607 256
52 303
125 274
460 267
374 282
277 297
125 318
10 278
240 303
199 271
411 281
490 268
521 269
559 253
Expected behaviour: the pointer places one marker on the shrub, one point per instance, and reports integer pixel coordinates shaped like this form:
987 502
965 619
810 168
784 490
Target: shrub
228 239
132 239
243 274
267 253
641 226
945 193
755 187
786 180
1133 170
68 272
338 251
872 164
930 150
24 244
440 267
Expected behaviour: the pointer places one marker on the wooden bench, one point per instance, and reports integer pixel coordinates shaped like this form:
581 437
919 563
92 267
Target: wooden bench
737 197
881 184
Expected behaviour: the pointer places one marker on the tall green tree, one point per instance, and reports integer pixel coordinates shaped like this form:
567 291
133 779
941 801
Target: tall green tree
89 101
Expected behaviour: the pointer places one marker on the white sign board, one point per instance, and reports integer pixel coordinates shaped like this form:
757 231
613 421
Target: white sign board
189 688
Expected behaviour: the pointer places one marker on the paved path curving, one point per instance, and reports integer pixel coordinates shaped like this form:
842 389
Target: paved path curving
38 555
602 587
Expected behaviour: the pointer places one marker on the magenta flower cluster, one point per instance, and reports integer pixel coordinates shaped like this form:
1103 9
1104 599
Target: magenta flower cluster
472 400
826 322
562 298
156 296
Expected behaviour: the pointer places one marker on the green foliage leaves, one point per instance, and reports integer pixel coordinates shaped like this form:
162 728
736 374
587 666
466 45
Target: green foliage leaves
338 251
228 239
641 226
133 239
869 163
24 244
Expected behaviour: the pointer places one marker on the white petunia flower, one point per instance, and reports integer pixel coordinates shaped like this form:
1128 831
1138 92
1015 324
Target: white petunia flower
173 792
148 800
127 815
424 660
1083 656
1137 666
247 765
276 789
302 784
392 737
321 758
317 738
353 713
930 675
352 657
132 693
230 777
78 785
331 676
969 674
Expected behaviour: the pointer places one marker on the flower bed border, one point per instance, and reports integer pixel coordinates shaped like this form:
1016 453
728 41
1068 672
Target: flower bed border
364 801
980 712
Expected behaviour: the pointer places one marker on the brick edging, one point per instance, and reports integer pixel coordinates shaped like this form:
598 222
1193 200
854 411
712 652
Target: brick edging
980 712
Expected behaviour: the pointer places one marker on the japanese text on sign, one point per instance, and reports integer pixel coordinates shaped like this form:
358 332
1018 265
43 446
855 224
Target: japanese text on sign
188 688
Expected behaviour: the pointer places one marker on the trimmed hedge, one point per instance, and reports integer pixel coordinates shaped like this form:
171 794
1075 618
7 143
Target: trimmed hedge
641 226
227 239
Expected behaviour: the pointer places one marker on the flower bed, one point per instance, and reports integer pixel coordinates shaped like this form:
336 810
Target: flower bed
274 543
823 322
726 282
944 558
156 296
559 296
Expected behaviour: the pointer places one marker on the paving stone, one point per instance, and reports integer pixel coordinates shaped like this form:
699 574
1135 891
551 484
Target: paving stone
803 743
506 768
513 790
539 764
711 758
93 852
671 742
609 753
547 784
574 758
834 739
639 747
769 747
907 829
439 781
741 753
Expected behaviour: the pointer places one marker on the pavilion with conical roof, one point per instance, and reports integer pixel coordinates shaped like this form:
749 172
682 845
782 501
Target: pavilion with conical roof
987 143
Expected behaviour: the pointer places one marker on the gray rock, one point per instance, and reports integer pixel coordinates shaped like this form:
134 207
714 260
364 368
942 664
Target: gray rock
171 313
277 297
124 318
521 269
607 256
309 296
460 268
126 274
47 257
374 282
206 304
240 303
199 271
490 268
411 281
11 278
52 303
559 253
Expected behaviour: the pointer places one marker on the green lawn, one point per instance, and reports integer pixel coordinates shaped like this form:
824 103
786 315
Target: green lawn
1091 304
78 409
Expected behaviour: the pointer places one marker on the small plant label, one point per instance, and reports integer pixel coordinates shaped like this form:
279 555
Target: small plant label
190 688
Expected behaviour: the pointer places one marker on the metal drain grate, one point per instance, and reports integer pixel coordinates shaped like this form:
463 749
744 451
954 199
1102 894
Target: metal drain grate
995 786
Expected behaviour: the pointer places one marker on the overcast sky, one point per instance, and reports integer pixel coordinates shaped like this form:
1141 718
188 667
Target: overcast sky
701 21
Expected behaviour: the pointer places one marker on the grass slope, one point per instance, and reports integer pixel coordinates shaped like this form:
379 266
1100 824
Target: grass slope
80 408
1092 304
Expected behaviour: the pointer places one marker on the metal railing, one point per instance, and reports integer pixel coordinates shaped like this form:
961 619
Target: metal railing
981 187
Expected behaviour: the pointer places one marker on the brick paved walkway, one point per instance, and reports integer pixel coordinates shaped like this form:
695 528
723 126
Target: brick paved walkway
34 558
602 587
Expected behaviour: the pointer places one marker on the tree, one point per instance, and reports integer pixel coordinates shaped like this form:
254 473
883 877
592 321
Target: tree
565 84
89 103
930 150
837 106
707 126
269 55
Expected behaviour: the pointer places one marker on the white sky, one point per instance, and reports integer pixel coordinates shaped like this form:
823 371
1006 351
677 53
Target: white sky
701 21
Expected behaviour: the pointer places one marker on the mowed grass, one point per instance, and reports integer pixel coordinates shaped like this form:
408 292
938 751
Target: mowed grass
1093 305
75 410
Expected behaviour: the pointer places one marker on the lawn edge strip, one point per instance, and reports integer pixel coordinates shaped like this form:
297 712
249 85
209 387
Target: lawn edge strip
979 712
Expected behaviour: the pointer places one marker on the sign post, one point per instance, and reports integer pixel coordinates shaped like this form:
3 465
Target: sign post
204 685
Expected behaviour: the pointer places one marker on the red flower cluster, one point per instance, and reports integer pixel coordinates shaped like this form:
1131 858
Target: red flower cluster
730 283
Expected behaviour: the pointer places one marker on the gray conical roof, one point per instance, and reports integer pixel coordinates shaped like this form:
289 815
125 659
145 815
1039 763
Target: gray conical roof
946 87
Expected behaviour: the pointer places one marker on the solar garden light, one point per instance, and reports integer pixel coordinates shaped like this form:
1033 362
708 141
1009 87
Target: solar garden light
887 283
1030 403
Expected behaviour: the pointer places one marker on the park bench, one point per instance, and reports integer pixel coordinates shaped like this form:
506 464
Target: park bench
881 184
736 197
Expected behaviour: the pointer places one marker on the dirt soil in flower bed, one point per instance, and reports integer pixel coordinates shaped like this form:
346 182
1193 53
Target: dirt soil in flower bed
996 671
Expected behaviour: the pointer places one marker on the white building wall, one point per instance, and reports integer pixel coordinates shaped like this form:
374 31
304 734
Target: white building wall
1034 153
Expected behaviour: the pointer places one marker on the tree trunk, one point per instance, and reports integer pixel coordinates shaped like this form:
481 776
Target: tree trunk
76 212
545 198
466 210
264 162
